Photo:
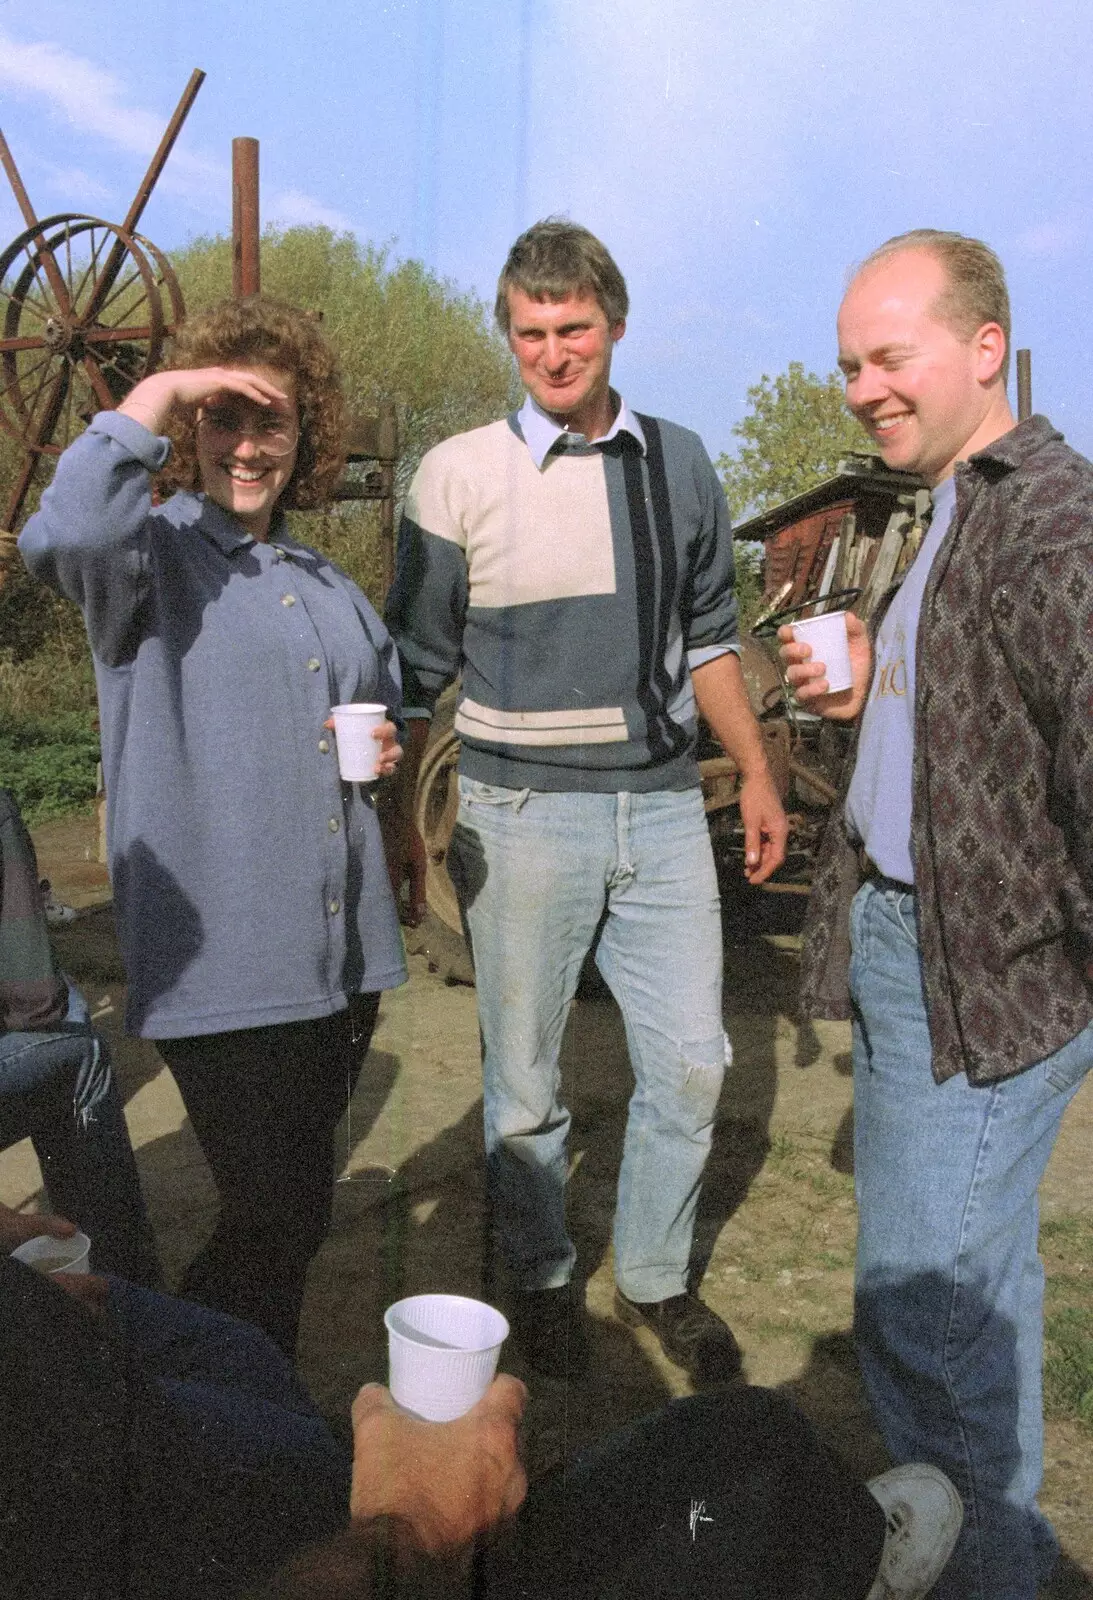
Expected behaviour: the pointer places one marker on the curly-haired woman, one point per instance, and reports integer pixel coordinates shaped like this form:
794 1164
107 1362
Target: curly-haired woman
254 911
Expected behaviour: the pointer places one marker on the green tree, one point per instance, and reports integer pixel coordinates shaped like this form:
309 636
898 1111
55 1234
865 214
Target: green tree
402 334
793 437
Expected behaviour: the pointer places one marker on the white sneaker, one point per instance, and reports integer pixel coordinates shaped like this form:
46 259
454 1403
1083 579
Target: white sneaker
924 1515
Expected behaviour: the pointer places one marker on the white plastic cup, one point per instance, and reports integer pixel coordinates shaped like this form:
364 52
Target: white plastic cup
828 641
358 752
50 1256
442 1353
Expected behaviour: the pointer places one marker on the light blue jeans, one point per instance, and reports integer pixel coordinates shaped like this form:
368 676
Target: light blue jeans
949 1290
536 873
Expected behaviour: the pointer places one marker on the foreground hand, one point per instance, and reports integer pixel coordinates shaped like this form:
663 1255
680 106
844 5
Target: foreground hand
807 676
16 1227
447 1481
153 399
86 1287
765 826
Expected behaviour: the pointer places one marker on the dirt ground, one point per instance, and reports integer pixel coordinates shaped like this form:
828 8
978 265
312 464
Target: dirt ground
776 1231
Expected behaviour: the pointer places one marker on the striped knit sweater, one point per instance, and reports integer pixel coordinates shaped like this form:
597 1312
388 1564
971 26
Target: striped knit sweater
572 597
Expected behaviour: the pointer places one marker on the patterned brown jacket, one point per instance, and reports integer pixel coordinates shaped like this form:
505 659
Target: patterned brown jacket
1002 811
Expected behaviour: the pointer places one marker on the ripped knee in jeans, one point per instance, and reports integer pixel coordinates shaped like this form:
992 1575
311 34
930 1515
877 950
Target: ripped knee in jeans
704 1064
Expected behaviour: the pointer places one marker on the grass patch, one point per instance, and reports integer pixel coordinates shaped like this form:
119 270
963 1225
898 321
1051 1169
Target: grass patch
1066 1244
1068 1364
49 765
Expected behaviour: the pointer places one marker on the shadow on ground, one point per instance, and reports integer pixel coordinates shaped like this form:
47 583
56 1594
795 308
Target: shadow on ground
422 1225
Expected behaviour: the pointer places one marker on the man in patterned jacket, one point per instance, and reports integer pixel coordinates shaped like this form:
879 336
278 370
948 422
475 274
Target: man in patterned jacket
960 870
574 563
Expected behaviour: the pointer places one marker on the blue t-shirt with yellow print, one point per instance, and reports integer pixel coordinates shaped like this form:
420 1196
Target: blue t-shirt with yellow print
878 805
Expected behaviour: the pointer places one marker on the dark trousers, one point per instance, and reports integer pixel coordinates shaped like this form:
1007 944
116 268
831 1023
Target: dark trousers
729 1495
264 1103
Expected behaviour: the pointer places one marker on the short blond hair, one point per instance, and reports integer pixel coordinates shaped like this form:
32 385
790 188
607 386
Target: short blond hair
976 291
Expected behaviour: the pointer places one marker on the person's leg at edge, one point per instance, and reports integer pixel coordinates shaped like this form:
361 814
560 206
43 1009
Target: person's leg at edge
59 1089
948 1303
264 1104
723 1496
529 870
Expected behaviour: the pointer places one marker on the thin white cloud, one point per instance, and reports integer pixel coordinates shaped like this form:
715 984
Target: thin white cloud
94 101
90 97
75 188
292 208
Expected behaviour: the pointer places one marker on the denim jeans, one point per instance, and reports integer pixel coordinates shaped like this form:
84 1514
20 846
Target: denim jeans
949 1290
57 1088
536 874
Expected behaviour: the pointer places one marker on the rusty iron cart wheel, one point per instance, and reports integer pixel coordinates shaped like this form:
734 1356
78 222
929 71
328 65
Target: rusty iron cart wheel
86 310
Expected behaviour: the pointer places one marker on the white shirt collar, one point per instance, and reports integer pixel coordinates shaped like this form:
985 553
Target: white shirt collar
541 432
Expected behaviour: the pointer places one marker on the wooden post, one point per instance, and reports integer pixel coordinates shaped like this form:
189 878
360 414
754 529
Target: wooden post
246 271
1024 385
388 455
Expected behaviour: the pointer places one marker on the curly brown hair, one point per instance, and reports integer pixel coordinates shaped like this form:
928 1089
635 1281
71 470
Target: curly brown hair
258 332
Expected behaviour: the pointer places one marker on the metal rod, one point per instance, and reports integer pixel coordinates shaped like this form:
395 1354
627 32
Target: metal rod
20 489
1024 385
166 145
38 436
16 182
246 267
49 265
822 786
144 194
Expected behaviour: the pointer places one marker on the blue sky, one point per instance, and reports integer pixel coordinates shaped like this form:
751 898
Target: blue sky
735 157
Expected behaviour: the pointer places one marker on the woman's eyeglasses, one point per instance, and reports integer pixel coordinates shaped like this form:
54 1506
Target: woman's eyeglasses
223 426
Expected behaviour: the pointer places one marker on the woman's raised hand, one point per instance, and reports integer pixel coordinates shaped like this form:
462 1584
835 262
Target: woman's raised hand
151 401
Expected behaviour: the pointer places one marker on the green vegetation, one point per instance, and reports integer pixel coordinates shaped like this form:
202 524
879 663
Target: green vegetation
793 437
1067 1247
403 336
748 560
50 765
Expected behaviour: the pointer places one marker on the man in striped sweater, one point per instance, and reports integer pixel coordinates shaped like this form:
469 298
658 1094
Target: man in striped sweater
574 563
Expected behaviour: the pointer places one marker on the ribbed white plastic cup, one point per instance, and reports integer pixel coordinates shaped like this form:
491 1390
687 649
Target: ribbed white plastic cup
827 639
442 1353
358 752
50 1256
